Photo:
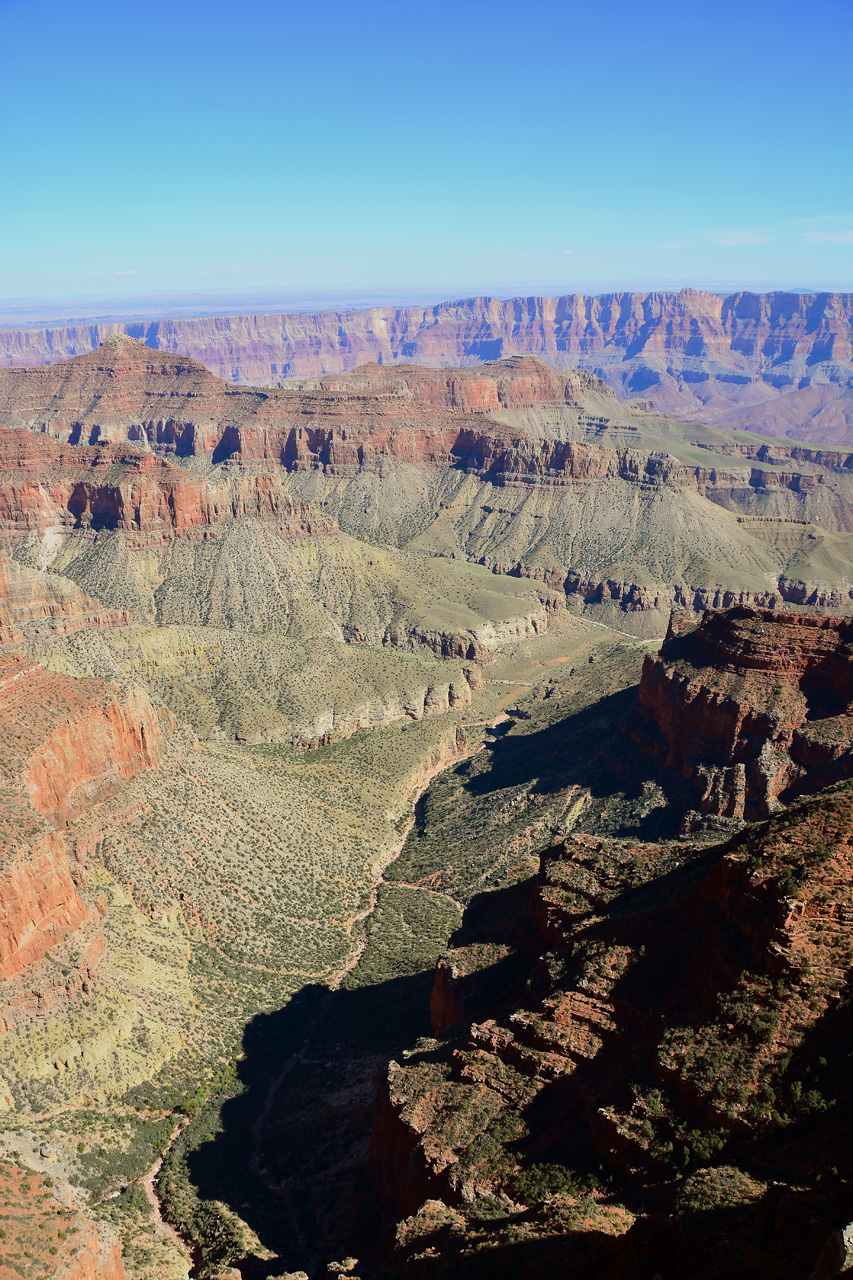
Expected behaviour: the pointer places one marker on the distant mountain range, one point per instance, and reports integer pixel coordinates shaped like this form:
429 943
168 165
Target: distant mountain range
780 364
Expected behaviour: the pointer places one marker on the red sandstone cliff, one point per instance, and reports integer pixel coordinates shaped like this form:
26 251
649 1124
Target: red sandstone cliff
64 745
247 452
124 394
50 485
124 391
753 706
767 362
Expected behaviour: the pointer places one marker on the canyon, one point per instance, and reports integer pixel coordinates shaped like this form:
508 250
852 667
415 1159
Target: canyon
670 1004
425 810
779 364
537 475
632 1041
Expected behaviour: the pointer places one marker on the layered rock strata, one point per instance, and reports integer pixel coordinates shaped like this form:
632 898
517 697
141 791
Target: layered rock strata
54 487
753 706
779 363
513 466
675 1007
35 606
124 391
66 745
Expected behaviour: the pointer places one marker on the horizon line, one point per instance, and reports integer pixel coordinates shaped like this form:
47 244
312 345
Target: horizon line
98 309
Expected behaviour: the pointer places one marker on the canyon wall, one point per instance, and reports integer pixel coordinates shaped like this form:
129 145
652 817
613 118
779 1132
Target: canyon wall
175 408
66 745
530 472
660 1008
35 606
753 706
779 363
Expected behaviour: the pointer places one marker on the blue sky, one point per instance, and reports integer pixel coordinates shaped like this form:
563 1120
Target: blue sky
489 147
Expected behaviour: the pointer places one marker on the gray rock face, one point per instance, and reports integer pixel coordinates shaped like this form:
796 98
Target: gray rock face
837 1256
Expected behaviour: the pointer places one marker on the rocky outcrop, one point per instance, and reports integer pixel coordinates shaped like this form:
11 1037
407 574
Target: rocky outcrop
49 486
337 426
41 1223
666 1018
124 392
779 363
836 1258
331 724
96 1257
66 745
70 743
40 905
35 606
86 760
128 440
753 706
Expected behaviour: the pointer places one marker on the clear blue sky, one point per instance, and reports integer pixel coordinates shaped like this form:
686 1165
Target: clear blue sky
503 147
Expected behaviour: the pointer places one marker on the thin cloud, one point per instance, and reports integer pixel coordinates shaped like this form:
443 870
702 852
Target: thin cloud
822 219
828 237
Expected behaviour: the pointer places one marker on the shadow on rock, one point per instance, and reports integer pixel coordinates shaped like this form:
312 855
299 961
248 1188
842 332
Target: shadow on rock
291 1156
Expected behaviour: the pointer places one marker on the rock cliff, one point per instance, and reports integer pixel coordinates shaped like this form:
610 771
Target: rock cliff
530 472
50 486
35 606
680 1012
66 745
752 706
779 363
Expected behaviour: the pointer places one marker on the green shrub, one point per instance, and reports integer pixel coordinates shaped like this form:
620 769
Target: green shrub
539 1181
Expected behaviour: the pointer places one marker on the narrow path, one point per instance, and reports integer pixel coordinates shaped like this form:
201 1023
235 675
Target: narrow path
357 947
627 634
424 888
355 952
163 1228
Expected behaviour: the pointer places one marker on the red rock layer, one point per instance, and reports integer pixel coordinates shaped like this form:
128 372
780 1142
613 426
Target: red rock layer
58 1240
783 359
34 604
64 745
123 397
124 391
51 485
39 904
752 705
125 394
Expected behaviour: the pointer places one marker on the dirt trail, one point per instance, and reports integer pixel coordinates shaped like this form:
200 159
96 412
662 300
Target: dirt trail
357 946
163 1228
356 950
